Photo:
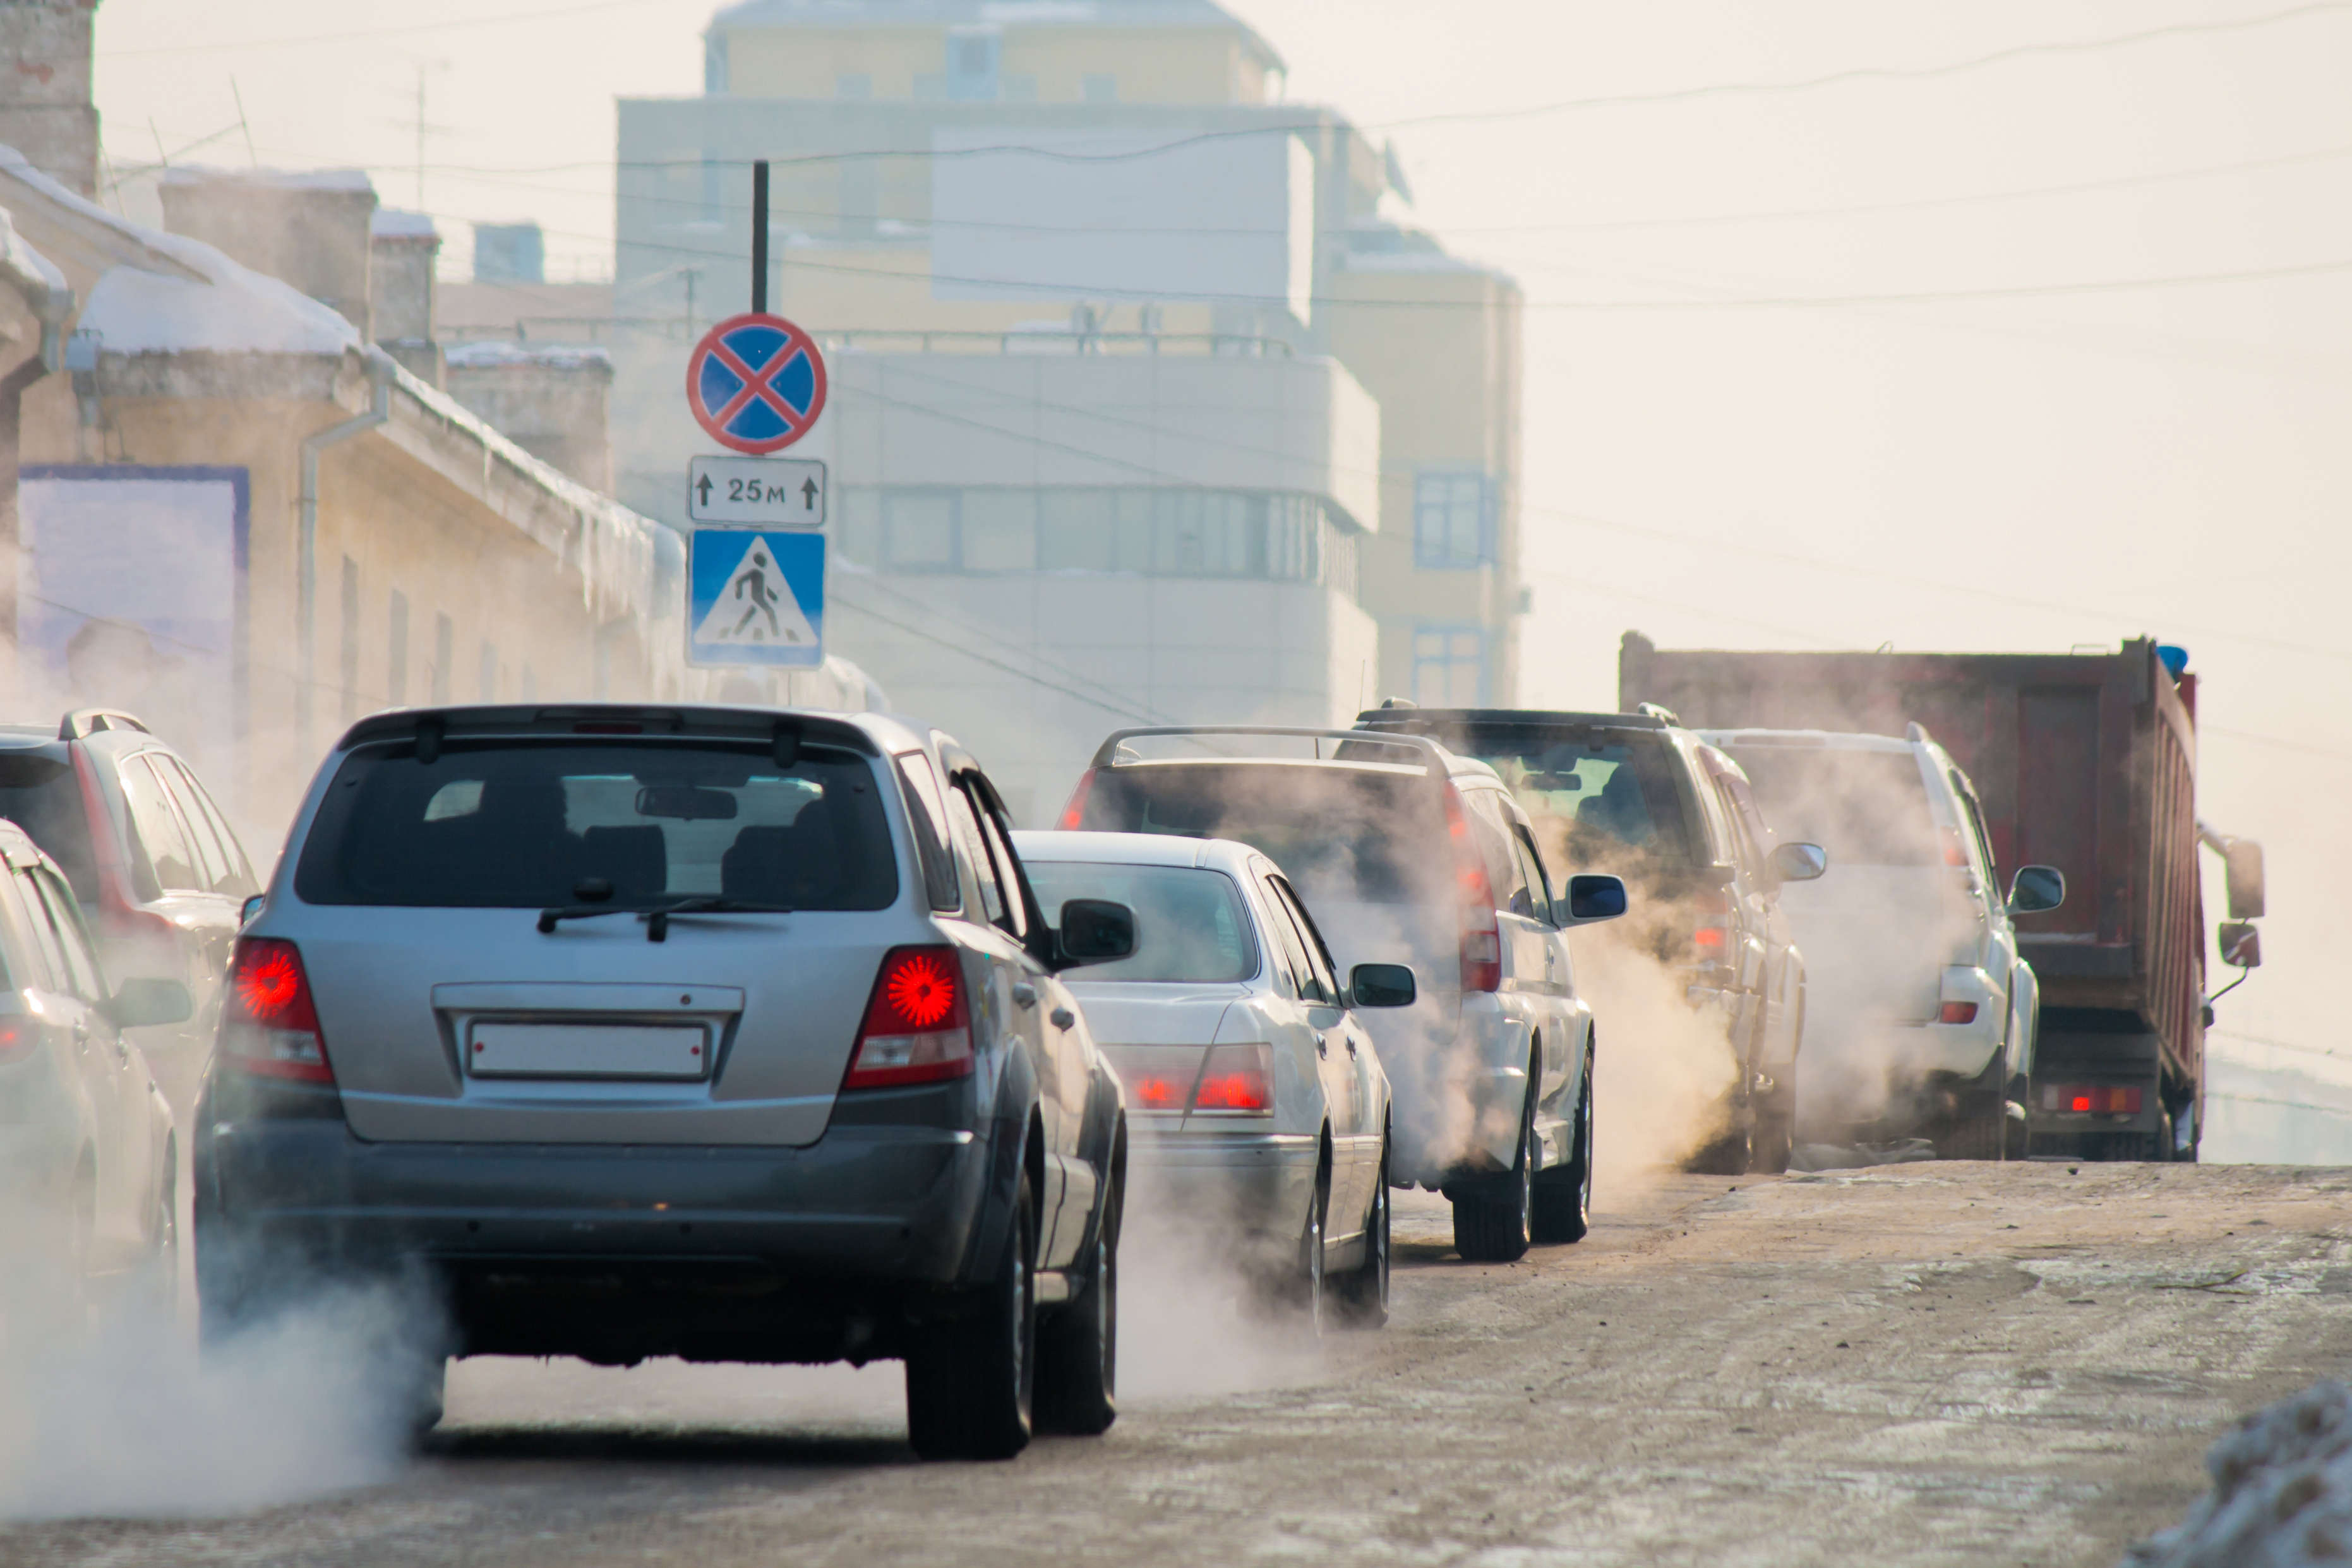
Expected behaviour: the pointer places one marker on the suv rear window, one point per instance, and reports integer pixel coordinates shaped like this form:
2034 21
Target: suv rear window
1865 808
1351 833
1611 791
522 824
41 795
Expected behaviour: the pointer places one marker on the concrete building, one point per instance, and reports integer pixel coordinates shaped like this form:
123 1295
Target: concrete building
1004 220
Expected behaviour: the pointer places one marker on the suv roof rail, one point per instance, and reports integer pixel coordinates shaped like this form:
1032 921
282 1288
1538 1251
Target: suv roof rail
1664 715
1915 730
1109 753
85 722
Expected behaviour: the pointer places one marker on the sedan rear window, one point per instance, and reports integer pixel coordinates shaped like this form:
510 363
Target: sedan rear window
1190 925
1865 808
525 824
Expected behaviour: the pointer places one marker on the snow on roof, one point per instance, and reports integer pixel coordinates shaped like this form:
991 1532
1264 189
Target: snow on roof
353 181
391 223
497 352
25 264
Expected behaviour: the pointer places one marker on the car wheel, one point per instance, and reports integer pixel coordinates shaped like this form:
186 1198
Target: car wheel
1979 1127
971 1380
1562 1209
1775 1139
1492 1226
1077 1349
1310 1288
1362 1297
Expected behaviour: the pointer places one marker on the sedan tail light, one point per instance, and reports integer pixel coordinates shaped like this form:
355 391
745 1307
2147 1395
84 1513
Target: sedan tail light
1236 1080
917 1028
269 1024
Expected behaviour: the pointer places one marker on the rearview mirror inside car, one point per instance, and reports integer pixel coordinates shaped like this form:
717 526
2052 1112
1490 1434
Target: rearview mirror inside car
138 1003
1097 930
2240 944
2036 888
2243 875
1593 897
1382 986
684 803
1799 863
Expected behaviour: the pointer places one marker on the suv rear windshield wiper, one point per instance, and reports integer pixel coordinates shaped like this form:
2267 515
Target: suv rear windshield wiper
657 916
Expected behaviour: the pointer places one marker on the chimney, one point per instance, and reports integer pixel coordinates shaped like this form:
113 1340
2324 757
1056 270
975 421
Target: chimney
46 110
312 229
406 247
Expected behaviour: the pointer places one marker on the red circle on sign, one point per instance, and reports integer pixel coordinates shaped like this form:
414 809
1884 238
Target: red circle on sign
756 384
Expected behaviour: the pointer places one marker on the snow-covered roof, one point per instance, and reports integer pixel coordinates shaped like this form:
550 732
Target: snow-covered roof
391 223
26 267
497 352
352 180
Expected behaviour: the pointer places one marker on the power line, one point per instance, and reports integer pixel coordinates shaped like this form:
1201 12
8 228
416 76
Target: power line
914 630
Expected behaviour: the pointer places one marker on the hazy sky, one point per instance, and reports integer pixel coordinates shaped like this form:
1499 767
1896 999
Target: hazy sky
2029 470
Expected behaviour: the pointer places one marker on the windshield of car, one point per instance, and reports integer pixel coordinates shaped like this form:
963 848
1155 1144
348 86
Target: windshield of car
1347 833
1865 808
1611 791
41 795
1190 925
531 824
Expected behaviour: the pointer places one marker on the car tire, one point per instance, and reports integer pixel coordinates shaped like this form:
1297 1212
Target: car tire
971 1380
1775 1138
1492 1223
1979 1127
1361 1296
1310 1287
1078 1348
1562 1208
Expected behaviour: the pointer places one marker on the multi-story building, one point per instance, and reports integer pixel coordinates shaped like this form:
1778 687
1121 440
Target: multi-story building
1141 407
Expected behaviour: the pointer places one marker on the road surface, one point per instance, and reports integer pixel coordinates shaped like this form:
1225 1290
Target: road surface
1912 1364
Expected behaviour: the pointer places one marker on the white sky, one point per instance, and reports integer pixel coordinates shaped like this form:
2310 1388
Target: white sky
2023 472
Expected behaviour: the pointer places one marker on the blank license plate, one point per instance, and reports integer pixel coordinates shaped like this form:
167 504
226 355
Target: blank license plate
591 1051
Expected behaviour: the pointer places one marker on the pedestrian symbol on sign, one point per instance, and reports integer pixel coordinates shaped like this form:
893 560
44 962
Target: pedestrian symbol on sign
755 606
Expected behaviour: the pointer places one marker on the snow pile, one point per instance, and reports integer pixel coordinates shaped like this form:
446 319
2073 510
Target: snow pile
2281 1492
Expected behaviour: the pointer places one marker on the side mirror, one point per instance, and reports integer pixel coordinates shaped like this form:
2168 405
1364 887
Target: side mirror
1382 986
249 908
1096 931
2036 888
1592 898
2242 874
2240 944
138 1003
1798 862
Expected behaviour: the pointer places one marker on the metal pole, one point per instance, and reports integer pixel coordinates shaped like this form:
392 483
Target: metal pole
760 237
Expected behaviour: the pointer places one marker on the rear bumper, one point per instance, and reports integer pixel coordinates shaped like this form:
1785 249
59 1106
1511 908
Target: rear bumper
1253 1185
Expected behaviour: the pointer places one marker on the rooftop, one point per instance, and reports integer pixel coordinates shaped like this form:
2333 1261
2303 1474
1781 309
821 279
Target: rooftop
855 13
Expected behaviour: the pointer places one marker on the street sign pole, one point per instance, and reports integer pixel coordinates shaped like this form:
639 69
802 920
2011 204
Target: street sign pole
760 237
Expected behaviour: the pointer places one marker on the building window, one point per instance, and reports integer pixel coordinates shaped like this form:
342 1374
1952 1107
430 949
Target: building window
918 531
348 667
855 84
1452 519
973 60
395 675
445 650
1449 667
1097 87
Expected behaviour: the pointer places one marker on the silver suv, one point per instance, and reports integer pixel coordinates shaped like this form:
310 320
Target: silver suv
720 1033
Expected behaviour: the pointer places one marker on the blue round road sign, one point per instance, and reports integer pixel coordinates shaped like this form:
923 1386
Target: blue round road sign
756 384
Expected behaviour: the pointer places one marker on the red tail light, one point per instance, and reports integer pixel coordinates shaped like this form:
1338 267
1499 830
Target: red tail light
2108 1098
1712 934
1955 853
18 1036
1075 812
1482 937
917 1028
269 1025
1236 1080
1155 1091
1957 1012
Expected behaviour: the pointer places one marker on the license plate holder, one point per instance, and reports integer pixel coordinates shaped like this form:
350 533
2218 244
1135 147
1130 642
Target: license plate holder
595 1050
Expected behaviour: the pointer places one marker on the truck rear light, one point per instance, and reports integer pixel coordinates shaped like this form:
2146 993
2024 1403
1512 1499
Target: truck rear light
1236 1080
1075 812
2102 1099
1957 1012
1482 936
917 1029
269 1023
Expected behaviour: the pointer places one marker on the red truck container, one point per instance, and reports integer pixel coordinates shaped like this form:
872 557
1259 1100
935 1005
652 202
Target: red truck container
2082 761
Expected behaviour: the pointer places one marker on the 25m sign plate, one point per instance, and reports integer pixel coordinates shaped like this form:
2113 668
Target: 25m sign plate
764 491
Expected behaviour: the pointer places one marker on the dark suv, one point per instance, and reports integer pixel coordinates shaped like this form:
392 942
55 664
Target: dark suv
1637 795
157 869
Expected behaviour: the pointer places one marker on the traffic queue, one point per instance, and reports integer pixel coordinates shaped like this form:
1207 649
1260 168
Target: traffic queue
741 1034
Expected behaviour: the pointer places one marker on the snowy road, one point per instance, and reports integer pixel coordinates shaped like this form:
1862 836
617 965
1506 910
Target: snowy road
1917 1364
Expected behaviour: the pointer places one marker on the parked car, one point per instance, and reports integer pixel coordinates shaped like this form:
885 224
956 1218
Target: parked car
158 871
1639 795
88 1159
1405 850
711 1032
1920 1015
1254 1096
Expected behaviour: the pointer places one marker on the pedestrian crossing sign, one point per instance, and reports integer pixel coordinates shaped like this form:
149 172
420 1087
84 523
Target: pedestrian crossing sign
755 597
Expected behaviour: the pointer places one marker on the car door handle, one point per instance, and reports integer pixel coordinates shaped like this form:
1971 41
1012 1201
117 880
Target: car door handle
1322 1044
1063 1017
1025 993
1351 1045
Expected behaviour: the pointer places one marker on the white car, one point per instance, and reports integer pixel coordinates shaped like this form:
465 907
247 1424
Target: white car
1919 1014
1255 1103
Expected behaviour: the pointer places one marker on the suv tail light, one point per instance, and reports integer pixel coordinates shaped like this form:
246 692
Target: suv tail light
1236 1080
1075 812
917 1029
1711 932
269 1025
1482 936
1957 1012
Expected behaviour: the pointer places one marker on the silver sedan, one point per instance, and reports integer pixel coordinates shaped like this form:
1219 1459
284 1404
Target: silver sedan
1255 1097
